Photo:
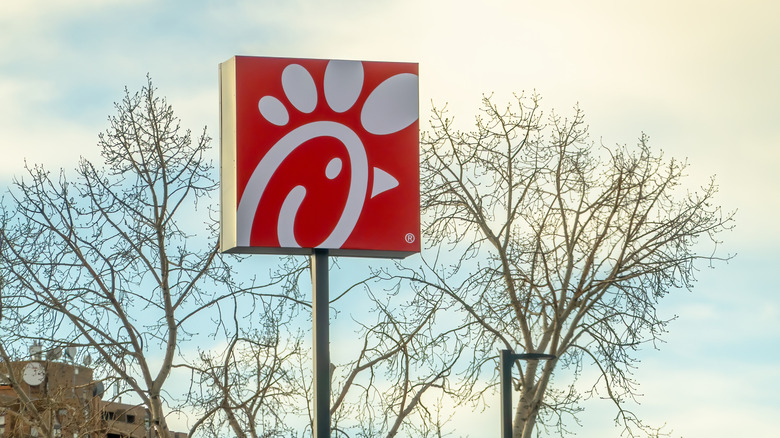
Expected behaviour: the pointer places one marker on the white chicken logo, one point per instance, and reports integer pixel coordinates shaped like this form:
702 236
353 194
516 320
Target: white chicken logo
390 107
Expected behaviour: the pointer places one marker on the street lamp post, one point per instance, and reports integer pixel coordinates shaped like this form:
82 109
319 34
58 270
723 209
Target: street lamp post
507 359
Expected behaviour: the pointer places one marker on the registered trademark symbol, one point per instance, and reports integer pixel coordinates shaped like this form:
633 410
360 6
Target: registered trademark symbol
410 238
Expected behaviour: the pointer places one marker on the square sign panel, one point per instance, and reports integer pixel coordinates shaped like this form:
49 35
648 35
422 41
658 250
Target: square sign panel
319 154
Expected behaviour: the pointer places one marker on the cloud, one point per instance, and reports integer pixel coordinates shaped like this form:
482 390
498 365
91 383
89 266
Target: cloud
696 399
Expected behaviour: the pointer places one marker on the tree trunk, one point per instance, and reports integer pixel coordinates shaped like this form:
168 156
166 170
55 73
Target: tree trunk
159 424
525 415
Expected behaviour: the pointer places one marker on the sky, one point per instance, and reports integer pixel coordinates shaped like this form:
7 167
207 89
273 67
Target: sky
698 77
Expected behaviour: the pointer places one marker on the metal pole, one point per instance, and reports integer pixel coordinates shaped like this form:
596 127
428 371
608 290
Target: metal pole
507 359
506 393
320 309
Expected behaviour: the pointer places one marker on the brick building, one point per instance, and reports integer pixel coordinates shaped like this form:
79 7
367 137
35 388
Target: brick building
57 399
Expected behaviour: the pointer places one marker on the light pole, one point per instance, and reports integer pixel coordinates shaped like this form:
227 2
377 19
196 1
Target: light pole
507 359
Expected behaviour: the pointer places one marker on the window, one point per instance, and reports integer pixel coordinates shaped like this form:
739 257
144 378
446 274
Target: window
108 415
130 418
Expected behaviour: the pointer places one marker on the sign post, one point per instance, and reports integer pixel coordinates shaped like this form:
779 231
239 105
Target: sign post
319 158
321 351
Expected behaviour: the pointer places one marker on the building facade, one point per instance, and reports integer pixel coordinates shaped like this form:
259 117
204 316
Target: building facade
41 398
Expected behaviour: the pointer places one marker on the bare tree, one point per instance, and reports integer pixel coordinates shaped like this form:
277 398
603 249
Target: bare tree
261 384
404 356
250 388
548 243
120 259
117 260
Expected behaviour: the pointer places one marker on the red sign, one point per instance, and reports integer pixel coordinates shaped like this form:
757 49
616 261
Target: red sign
320 154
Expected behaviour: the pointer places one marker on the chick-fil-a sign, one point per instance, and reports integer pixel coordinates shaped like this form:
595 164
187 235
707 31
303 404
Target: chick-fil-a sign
319 154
